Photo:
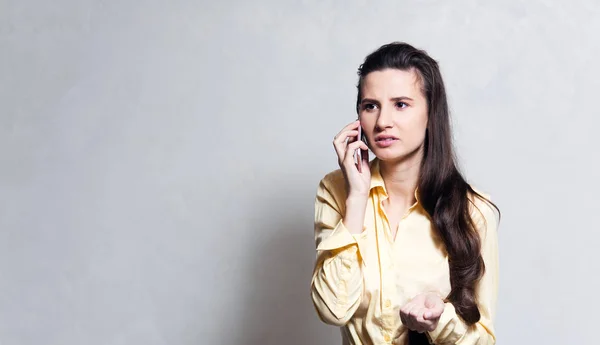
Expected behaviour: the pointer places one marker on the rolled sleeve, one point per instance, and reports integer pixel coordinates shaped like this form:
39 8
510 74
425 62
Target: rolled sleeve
337 283
340 238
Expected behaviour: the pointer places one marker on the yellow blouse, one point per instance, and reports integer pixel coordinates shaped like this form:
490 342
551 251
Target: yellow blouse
360 282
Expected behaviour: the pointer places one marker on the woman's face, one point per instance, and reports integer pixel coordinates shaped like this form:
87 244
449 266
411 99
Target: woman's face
393 113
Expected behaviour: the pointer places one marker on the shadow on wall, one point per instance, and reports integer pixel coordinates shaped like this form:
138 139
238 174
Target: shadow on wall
278 308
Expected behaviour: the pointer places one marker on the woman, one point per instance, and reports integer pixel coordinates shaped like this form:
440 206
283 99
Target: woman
407 250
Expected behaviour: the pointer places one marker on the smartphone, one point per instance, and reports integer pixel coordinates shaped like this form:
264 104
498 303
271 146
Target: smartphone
358 153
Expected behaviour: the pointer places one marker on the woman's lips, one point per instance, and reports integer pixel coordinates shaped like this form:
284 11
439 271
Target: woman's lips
385 142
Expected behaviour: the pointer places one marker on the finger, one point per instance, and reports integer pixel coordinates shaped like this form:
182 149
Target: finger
419 314
362 156
421 325
352 135
404 313
435 306
422 320
430 325
351 150
340 143
351 126
438 310
432 314
354 146
412 317
341 138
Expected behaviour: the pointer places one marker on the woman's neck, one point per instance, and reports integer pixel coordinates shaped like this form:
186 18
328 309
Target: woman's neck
401 178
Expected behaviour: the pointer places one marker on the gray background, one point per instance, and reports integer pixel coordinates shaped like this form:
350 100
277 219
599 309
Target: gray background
159 160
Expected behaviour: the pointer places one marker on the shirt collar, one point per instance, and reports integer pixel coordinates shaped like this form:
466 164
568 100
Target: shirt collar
377 179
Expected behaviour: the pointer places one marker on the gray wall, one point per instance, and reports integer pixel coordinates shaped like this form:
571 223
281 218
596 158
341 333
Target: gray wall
159 160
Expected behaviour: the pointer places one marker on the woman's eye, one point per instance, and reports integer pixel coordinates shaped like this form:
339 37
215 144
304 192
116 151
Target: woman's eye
369 106
401 105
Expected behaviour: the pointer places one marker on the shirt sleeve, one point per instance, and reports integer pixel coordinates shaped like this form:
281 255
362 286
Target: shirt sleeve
337 282
451 329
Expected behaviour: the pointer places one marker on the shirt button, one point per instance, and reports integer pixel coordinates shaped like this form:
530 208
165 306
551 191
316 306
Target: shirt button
388 303
387 338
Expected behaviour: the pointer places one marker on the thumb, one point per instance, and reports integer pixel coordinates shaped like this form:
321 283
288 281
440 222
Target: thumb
438 310
435 311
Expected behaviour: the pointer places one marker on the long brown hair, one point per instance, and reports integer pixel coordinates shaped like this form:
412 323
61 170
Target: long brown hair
443 191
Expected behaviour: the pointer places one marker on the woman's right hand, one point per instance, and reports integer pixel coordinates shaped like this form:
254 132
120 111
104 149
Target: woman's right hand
346 143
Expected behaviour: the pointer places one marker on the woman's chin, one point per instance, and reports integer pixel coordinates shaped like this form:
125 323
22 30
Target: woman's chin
387 155
397 154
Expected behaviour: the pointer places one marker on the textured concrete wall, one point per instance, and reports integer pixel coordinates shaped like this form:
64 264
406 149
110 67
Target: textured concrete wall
159 160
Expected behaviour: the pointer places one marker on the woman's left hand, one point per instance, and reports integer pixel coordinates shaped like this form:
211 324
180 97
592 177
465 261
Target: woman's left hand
423 312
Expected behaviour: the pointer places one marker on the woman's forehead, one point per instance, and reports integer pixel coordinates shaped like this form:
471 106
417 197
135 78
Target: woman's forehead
391 83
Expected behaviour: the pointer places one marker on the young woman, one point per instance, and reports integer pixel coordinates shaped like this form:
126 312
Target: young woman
407 250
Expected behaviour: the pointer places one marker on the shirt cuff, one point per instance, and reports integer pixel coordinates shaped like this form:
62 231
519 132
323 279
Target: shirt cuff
340 238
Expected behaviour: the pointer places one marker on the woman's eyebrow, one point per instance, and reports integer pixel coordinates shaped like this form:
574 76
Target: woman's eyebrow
401 98
393 99
368 100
